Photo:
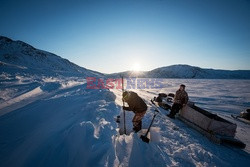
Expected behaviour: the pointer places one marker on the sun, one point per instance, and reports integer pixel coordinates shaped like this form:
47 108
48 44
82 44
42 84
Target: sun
136 67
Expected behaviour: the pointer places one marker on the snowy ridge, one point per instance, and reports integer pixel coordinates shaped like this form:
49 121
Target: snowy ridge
186 71
18 91
19 57
29 95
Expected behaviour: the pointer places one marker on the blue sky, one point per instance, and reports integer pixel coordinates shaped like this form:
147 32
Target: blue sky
113 36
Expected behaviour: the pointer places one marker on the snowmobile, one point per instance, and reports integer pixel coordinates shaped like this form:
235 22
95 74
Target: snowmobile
164 100
243 117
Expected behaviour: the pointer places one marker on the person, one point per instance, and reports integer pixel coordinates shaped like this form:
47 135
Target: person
180 100
137 105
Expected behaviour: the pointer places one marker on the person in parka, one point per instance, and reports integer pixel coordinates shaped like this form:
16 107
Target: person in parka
245 115
180 100
137 105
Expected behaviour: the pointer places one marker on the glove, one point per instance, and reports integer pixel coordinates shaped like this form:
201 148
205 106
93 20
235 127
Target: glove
125 108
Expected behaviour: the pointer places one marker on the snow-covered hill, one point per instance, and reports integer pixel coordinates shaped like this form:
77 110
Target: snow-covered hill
186 71
17 57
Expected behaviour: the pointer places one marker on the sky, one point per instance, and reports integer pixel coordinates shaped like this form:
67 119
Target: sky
118 35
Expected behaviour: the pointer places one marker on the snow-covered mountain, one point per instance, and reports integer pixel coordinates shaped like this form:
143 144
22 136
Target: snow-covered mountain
17 57
186 71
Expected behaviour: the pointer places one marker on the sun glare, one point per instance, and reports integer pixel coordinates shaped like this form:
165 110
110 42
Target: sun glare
136 67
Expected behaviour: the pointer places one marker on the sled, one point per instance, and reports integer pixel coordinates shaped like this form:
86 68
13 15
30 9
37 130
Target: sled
212 126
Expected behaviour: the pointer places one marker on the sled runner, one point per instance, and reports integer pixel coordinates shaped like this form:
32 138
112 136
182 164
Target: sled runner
241 119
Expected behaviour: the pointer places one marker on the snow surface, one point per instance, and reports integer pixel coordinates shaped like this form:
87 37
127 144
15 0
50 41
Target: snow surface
58 122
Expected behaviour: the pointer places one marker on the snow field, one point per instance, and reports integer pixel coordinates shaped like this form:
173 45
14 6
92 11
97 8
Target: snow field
75 126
